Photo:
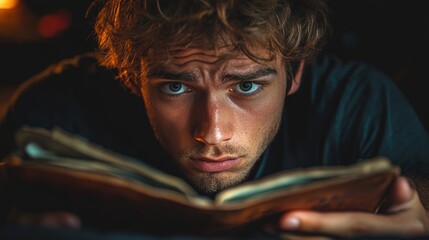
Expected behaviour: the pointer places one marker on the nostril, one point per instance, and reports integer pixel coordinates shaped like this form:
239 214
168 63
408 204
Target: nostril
212 125
214 138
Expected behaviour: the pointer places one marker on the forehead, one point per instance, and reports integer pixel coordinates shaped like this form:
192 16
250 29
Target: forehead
223 55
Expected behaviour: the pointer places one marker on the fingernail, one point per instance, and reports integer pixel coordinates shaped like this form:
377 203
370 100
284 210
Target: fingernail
291 223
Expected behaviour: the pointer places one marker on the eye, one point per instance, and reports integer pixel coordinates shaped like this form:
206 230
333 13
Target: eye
247 87
174 88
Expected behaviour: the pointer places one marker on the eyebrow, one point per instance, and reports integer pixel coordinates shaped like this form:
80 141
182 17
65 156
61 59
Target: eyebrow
173 76
186 76
250 76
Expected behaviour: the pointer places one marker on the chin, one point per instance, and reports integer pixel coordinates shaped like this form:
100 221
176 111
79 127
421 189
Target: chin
214 182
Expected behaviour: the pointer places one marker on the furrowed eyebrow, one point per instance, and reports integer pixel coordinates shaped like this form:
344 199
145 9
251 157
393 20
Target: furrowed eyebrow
250 76
191 77
172 76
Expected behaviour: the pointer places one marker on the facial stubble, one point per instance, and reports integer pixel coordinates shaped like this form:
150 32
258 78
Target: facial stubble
213 182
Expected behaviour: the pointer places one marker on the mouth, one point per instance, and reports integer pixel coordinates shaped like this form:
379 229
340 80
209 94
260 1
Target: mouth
214 164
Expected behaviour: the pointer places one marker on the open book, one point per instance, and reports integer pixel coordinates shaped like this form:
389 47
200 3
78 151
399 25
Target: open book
54 170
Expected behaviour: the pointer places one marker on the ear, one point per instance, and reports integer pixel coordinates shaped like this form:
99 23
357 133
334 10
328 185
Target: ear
296 81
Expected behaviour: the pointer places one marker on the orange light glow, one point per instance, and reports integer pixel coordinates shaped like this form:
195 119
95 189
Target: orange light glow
8 4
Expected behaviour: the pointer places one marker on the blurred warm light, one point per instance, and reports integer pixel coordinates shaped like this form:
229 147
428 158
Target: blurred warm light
53 24
8 4
18 24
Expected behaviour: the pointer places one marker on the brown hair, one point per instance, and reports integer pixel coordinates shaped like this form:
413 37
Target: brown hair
131 32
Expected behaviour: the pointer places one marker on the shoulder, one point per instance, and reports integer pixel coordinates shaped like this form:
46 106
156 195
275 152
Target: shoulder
62 86
330 78
351 92
77 95
349 110
64 94
336 91
61 77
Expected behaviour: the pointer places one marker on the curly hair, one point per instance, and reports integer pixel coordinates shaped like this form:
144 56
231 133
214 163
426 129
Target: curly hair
132 33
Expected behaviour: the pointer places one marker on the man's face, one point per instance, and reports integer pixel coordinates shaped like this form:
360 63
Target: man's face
215 114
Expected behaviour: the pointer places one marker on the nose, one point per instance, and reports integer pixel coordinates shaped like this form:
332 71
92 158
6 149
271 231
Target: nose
213 118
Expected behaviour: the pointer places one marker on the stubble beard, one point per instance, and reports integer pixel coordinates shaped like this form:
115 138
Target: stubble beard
213 182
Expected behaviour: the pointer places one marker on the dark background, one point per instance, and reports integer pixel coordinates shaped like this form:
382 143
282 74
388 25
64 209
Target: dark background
391 35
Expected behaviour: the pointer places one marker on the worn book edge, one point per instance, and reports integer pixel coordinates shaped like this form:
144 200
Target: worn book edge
235 197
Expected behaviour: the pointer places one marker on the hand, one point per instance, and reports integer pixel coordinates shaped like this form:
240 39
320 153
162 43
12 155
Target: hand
51 219
402 215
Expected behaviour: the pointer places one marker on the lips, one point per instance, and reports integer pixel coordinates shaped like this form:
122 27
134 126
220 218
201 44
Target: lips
214 165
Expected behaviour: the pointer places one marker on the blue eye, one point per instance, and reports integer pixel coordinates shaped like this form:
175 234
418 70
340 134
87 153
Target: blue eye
247 87
174 88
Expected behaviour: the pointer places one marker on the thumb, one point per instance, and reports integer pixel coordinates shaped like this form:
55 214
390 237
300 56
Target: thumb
398 197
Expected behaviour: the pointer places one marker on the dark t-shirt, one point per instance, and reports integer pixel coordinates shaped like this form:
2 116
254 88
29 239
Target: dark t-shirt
342 112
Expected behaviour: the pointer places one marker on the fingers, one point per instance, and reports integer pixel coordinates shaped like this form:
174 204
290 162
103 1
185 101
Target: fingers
402 214
351 224
53 219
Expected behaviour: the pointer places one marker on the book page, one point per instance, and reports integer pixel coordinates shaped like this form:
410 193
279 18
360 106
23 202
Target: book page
299 177
62 149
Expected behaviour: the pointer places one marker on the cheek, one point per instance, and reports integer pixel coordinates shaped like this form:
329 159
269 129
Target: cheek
169 121
259 126
266 110
260 121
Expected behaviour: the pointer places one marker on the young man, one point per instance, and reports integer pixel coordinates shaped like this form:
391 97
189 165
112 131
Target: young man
228 91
